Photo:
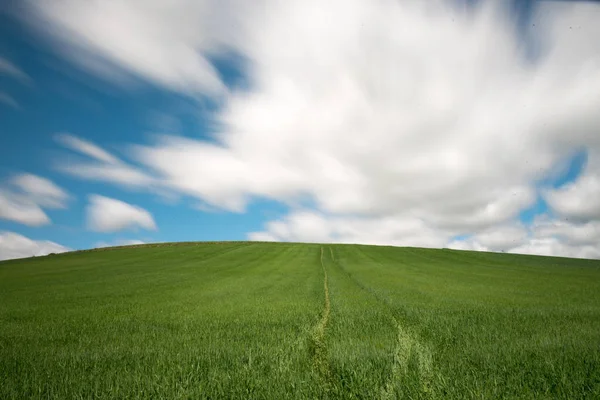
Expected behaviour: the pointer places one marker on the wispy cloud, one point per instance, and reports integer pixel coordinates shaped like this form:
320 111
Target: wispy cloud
22 200
41 190
105 214
164 42
8 100
102 165
87 148
19 208
11 70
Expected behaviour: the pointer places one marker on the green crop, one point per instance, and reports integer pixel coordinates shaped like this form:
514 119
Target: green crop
286 320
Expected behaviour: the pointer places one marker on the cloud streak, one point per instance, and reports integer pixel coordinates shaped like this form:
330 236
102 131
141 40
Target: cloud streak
41 190
105 214
9 100
100 165
9 69
25 196
168 43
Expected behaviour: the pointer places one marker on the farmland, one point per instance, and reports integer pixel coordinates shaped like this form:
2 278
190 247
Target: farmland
274 320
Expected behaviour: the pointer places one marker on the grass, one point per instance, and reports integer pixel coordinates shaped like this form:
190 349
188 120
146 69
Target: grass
260 320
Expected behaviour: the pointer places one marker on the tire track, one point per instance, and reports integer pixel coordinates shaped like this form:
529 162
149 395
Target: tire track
318 346
408 350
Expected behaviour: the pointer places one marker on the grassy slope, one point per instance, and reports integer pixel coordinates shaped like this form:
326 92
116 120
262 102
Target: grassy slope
249 320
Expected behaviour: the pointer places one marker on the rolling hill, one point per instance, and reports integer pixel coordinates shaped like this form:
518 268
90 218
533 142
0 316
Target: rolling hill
288 320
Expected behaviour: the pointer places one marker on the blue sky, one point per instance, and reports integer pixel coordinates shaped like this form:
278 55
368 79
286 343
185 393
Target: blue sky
269 139
61 99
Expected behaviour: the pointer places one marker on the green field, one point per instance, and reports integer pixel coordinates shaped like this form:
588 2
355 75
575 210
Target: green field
281 321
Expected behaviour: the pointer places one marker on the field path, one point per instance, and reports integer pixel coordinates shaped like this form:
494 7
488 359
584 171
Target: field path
318 345
410 355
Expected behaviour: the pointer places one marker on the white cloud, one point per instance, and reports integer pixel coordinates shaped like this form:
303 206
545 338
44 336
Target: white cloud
165 42
554 247
401 107
25 197
18 208
501 238
111 215
499 209
120 242
129 242
309 226
396 109
545 236
41 190
416 114
572 233
579 200
13 245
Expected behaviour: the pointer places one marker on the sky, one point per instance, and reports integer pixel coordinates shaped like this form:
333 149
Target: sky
448 123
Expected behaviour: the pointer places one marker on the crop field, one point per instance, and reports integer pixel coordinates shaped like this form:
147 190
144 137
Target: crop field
305 321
